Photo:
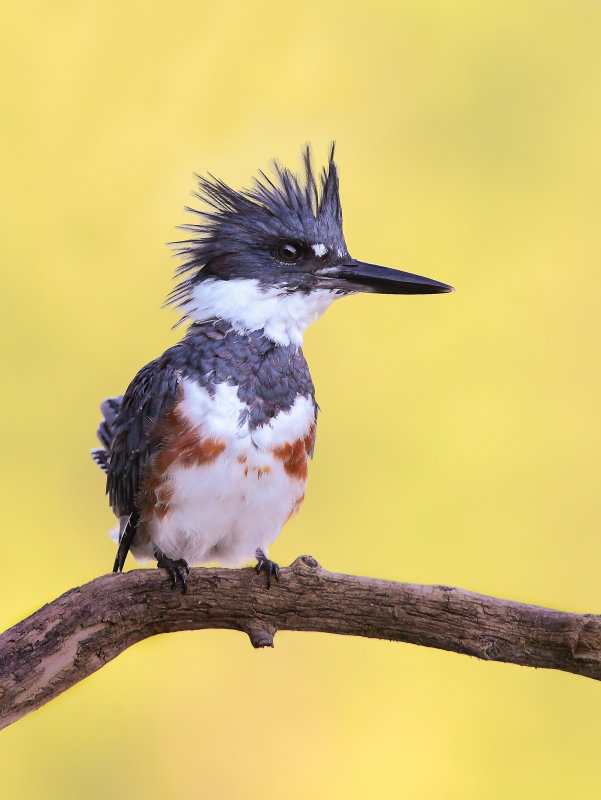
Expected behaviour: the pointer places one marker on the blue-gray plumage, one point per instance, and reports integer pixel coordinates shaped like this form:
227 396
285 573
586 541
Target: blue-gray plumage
206 453
268 378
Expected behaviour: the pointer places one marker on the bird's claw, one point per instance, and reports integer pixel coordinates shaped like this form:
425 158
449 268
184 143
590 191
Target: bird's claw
268 566
177 569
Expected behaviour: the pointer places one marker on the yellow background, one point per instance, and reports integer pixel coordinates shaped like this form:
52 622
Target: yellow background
460 437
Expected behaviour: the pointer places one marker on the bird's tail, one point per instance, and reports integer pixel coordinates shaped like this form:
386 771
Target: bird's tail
110 409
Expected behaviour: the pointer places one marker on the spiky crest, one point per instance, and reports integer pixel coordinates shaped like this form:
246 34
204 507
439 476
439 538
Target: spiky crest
240 223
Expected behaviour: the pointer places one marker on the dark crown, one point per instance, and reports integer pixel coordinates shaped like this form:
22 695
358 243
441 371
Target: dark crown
241 232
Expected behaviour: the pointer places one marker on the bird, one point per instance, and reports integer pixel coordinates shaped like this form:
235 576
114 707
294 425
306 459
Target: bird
206 453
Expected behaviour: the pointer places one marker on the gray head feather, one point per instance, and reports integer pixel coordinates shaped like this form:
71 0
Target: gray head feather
241 231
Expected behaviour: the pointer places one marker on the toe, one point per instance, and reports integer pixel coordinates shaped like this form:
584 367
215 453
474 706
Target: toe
270 568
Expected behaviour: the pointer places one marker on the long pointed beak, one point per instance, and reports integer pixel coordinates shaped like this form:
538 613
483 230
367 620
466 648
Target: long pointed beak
358 276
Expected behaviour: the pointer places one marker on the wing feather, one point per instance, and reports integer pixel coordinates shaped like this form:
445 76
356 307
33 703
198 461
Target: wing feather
149 397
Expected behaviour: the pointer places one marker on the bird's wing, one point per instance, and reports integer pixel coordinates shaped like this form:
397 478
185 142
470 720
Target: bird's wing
148 398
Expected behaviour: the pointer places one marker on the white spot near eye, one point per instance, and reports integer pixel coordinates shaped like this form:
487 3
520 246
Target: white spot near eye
319 249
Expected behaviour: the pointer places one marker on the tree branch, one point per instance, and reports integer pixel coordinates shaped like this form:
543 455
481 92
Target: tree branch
75 635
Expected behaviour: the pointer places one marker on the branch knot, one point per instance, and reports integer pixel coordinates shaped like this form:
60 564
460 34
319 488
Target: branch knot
260 636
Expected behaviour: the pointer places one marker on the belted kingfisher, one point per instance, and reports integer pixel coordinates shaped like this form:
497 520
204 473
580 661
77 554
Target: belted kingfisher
206 452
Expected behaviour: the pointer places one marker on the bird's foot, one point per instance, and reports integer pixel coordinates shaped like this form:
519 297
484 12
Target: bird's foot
177 569
266 565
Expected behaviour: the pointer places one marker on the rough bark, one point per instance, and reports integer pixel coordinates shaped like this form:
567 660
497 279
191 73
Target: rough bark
73 636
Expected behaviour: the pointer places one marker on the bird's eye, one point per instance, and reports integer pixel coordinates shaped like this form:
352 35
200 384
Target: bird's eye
289 252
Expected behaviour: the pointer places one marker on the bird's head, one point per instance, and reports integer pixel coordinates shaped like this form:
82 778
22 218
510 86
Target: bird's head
274 257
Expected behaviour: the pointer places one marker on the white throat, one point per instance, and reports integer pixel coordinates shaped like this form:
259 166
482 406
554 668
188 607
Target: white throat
249 307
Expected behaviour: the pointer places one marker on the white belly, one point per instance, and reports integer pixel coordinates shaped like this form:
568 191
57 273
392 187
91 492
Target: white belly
240 499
